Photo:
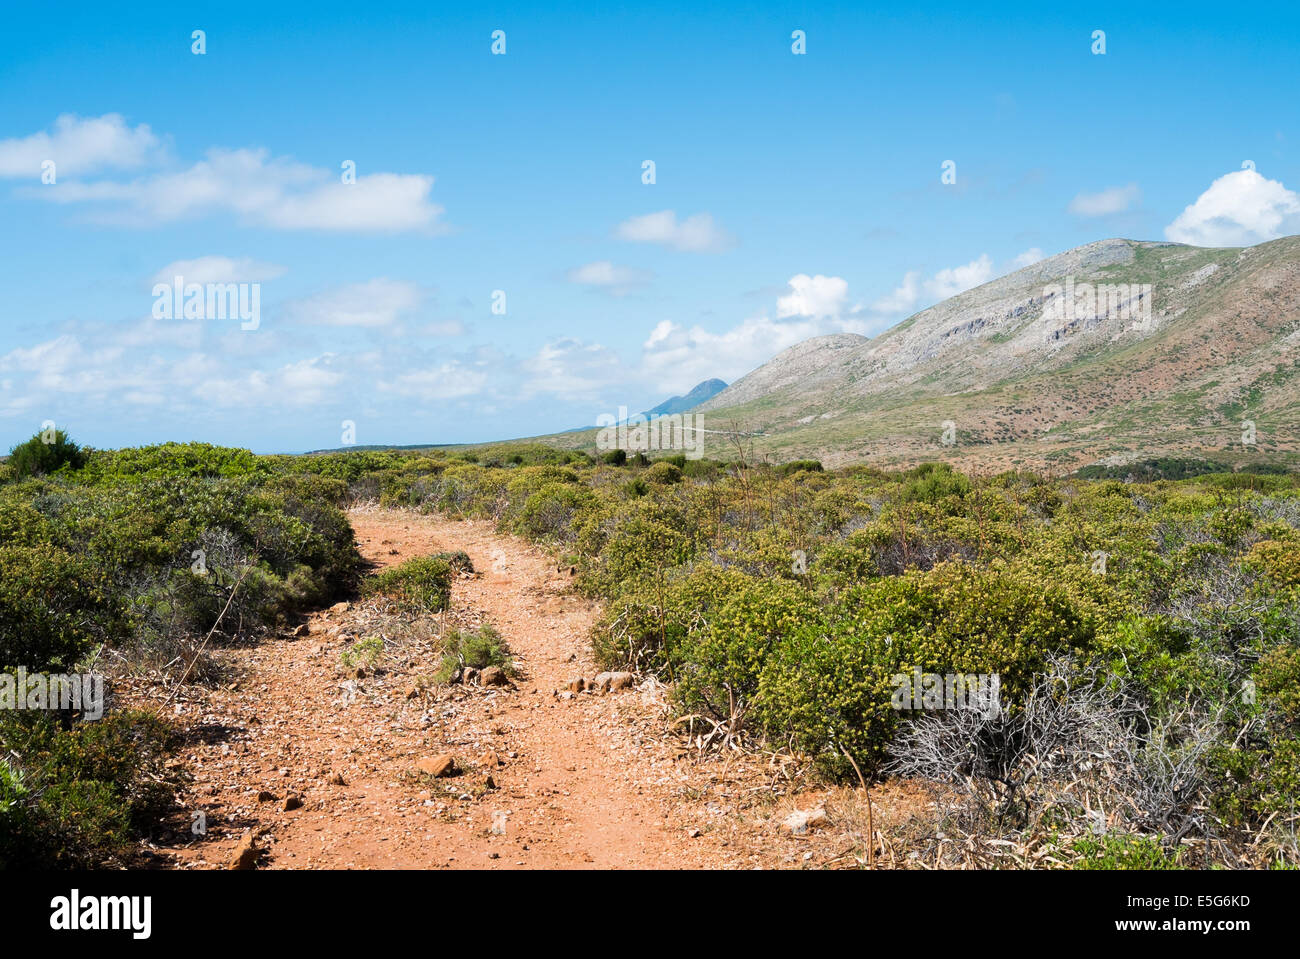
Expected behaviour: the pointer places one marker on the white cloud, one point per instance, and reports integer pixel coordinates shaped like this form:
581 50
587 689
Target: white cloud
617 280
276 193
695 234
573 370
313 376
218 269
449 380
915 290
959 279
675 358
80 145
814 296
1028 258
1115 199
1239 209
904 297
374 304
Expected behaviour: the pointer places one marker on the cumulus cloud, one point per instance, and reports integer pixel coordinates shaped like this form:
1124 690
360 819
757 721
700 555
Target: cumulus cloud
695 234
80 145
614 279
959 279
1115 199
272 192
814 296
1239 209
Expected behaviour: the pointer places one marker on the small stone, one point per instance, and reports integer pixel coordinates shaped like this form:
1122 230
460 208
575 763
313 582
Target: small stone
335 779
303 630
245 854
339 607
801 820
265 796
469 675
493 676
291 802
694 834
577 684
437 766
608 681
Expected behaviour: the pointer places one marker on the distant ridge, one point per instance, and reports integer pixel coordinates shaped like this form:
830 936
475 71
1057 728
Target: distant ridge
702 392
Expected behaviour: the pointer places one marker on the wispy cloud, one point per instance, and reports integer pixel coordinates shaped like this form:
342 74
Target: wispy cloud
1115 199
218 269
374 304
695 234
610 277
264 191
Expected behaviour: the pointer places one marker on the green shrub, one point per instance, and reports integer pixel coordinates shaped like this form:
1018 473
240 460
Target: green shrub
1122 851
75 798
458 560
37 457
477 649
420 585
55 608
799 466
726 657
663 473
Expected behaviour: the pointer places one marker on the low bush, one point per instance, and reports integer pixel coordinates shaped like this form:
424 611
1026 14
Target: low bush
419 585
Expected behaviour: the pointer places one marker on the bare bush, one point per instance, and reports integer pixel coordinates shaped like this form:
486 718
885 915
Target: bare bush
1081 755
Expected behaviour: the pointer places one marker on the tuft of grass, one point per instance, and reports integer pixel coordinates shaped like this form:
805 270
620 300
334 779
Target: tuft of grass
1121 851
364 652
479 648
420 585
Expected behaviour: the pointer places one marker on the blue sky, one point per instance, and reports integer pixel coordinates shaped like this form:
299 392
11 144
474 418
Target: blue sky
794 195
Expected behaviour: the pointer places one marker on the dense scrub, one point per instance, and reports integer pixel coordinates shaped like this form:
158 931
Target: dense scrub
1145 635
124 562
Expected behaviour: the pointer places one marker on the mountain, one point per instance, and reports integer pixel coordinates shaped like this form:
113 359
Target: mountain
674 404
680 404
1182 347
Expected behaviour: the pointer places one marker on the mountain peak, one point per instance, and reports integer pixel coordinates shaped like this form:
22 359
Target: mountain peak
700 393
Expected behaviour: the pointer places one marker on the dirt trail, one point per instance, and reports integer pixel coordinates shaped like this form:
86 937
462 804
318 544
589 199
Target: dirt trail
588 782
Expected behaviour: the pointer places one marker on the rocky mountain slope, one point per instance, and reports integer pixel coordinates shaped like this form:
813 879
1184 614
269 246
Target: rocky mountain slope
1111 352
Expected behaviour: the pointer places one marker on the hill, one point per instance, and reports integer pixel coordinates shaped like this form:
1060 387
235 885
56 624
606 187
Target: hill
1183 346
